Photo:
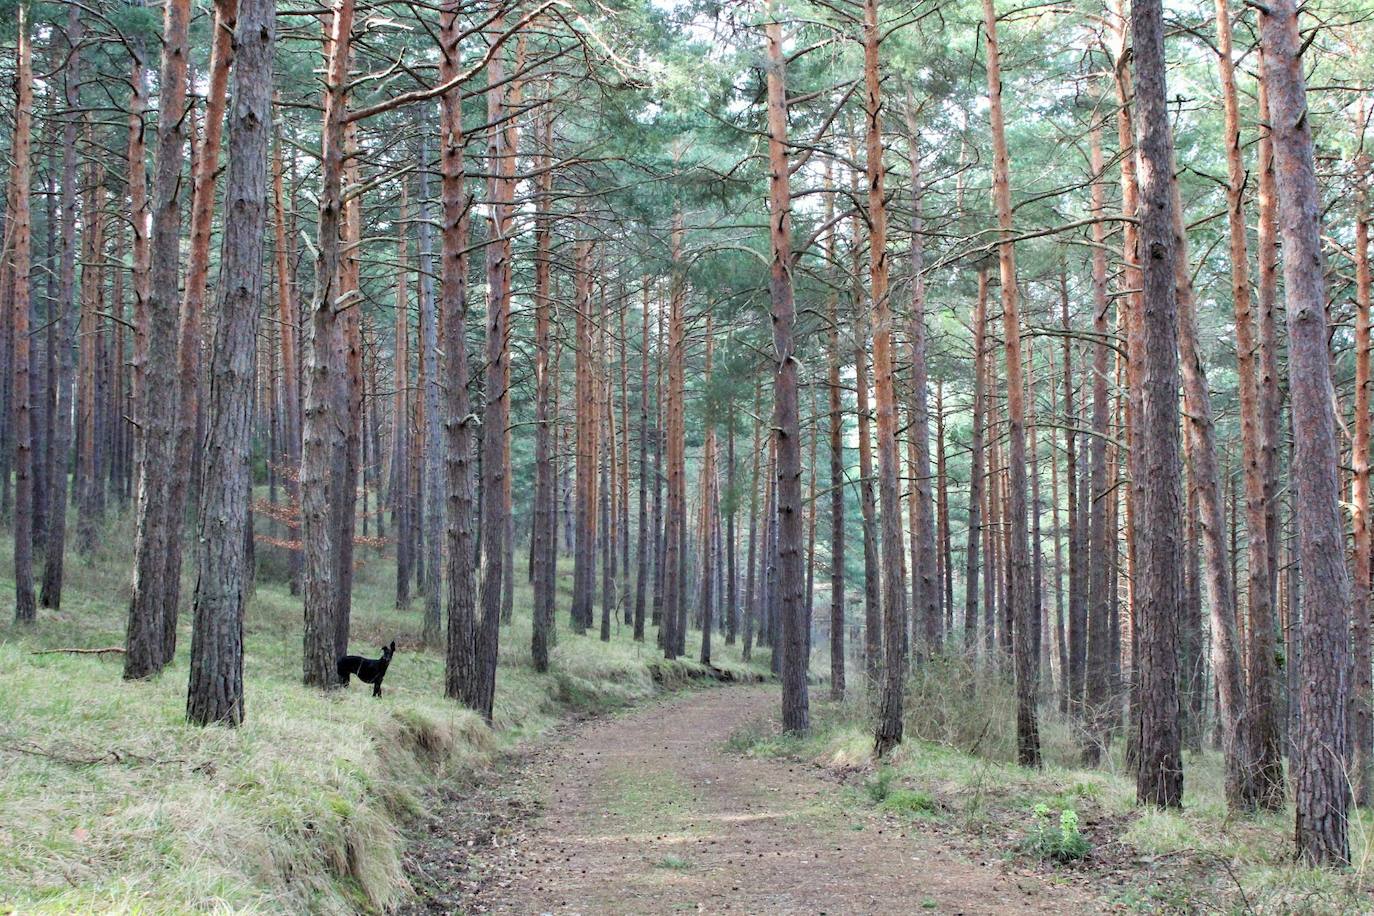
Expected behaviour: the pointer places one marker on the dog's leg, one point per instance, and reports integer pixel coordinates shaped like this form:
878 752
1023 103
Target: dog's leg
377 689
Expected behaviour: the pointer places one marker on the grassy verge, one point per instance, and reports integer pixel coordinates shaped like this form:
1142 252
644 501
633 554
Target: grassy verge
956 773
109 802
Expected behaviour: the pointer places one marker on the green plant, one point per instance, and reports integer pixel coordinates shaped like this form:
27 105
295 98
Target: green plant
879 787
1060 842
911 801
675 863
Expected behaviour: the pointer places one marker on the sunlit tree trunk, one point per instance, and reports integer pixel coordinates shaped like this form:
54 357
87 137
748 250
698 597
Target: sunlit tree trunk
1361 714
1322 791
786 419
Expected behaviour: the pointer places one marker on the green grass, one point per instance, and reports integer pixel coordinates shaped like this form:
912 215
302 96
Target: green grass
958 764
110 802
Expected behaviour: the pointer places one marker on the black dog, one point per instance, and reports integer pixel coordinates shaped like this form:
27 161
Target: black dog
369 670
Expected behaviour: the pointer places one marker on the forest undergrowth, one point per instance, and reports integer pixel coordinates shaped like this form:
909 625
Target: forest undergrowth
111 802
957 773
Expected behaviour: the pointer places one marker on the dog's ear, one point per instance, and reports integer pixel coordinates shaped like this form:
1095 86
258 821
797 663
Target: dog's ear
393 646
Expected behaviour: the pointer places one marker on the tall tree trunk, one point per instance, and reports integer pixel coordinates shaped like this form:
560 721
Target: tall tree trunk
326 398
190 332
675 508
1219 577
1102 542
924 573
868 509
25 608
660 434
400 420
837 470
1267 298
1159 779
753 585
1061 653
976 471
942 527
287 321
93 240
1322 792
1244 727
731 621
708 493
1023 614
888 732
786 420
544 531
1362 692
151 639
215 693
1265 738
584 558
66 318
453 307
433 477
347 468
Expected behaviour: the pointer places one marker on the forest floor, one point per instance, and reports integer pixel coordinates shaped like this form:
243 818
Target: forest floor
111 803
654 812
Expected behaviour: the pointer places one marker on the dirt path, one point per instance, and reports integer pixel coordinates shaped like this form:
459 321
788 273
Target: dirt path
648 813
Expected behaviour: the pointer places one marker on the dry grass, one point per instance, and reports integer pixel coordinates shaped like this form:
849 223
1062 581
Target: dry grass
109 802
960 754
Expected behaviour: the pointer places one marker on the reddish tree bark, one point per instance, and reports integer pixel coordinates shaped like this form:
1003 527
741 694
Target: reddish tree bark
786 421
1023 614
458 432
1362 692
190 333
1322 792
25 608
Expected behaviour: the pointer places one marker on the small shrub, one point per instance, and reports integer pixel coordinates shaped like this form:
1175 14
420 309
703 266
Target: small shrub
1059 842
911 801
880 786
676 863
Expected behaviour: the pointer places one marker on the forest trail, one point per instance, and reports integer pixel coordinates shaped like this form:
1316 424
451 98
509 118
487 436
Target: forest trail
650 813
